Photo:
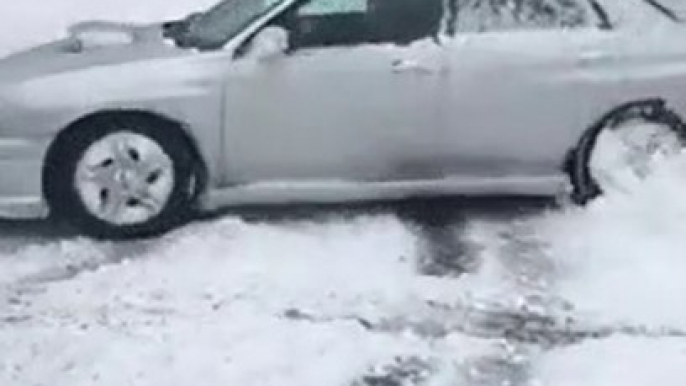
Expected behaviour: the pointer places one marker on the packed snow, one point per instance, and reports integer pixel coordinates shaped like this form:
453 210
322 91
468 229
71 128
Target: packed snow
341 301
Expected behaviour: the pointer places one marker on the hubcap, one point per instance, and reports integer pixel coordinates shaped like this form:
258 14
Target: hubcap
627 155
125 178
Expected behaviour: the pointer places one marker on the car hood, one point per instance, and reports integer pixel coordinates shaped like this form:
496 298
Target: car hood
90 44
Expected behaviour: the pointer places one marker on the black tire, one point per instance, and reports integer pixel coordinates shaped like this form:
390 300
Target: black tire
59 174
585 188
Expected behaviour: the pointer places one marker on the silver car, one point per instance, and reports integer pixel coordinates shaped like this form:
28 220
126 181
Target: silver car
127 130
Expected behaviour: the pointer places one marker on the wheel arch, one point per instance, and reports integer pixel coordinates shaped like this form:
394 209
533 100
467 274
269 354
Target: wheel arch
181 128
573 165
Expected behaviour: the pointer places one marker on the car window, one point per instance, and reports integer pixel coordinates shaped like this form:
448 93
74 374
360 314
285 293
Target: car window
212 29
332 7
469 16
322 23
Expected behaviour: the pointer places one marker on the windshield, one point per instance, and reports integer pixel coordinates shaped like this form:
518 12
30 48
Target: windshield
213 29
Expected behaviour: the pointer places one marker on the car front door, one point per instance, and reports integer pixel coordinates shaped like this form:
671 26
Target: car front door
355 97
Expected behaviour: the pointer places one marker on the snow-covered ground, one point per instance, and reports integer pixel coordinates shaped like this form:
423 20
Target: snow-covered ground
300 303
564 297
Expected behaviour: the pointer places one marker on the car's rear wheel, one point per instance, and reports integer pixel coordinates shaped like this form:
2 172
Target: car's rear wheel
121 176
625 148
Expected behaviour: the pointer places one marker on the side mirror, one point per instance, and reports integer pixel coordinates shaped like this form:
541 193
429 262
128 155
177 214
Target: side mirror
271 42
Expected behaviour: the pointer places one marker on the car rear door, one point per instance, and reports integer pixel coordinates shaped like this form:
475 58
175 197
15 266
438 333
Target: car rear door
519 101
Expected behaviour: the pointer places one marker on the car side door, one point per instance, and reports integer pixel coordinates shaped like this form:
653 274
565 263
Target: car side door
519 96
355 97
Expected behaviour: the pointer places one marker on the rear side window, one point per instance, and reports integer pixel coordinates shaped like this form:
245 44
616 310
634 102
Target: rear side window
469 16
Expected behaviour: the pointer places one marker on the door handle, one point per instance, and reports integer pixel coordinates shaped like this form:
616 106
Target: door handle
403 66
594 57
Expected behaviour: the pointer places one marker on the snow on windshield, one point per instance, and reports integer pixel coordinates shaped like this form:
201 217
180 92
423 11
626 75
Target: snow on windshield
214 28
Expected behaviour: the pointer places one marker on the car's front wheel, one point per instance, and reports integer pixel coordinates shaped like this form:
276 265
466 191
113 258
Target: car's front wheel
121 176
624 148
